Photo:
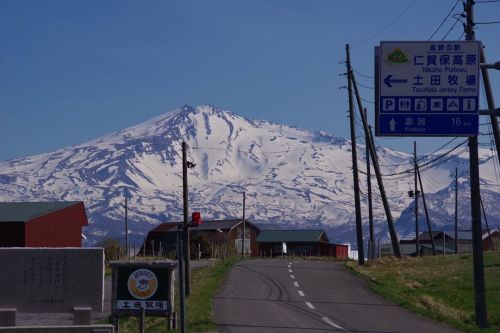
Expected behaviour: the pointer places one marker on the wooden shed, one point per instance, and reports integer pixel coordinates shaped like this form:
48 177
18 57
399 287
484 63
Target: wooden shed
42 224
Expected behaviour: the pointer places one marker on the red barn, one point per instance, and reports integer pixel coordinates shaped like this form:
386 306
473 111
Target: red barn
42 224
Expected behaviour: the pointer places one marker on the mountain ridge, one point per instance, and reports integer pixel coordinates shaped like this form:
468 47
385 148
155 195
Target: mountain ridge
291 176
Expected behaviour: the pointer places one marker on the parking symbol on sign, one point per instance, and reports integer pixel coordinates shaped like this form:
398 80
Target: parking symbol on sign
421 104
389 104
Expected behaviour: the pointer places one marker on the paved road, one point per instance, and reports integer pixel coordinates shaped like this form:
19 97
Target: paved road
304 296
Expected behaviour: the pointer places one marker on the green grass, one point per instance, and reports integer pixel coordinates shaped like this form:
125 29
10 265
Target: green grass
439 288
199 316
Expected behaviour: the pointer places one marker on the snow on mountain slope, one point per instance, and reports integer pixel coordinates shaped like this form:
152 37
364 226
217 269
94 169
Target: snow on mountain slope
291 176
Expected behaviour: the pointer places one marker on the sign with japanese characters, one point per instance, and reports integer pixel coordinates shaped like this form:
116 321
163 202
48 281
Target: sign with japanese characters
51 280
427 88
147 285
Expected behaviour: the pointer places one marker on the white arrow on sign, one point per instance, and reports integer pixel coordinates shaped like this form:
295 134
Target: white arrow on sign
392 124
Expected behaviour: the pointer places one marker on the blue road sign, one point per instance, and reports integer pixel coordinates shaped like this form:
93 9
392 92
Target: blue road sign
427 88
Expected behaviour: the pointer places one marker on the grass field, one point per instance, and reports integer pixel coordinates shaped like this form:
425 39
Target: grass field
437 287
205 282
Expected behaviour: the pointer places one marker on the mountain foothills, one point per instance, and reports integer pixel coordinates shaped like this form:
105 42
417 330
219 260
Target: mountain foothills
291 176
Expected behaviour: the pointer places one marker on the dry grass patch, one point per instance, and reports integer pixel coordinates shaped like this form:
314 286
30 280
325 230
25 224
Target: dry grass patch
437 287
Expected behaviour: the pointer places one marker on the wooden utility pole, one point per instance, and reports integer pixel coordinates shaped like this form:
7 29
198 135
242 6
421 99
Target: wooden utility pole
357 201
127 251
186 250
491 103
427 218
243 234
371 248
376 167
417 231
475 194
456 210
487 226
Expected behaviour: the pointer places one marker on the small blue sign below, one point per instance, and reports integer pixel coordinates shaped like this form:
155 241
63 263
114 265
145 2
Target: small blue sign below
429 124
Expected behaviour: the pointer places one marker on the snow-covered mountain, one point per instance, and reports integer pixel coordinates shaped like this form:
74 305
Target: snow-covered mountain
291 176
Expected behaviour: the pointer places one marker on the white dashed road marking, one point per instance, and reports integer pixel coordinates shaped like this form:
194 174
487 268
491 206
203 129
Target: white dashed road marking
292 277
290 270
310 306
296 284
301 293
331 323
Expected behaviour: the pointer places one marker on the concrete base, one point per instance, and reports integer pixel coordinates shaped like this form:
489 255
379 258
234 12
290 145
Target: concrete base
81 316
59 329
8 317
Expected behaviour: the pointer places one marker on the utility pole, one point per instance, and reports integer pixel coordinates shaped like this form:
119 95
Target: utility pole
127 251
370 204
429 224
182 280
371 145
456 210
186 252
243 234
417 231
475 194
487 227
491 102
357 202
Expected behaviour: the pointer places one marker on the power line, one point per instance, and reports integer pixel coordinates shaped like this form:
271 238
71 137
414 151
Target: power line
388 24
362 85
427 164
490 22
364 75
457 19
255 152
444 20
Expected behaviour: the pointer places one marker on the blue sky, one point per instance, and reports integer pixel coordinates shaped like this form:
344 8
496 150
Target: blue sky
71 71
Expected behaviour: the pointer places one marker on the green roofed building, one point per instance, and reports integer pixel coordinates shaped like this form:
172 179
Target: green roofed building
298 243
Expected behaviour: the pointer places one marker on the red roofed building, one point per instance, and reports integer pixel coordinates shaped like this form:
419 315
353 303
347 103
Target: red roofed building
42 224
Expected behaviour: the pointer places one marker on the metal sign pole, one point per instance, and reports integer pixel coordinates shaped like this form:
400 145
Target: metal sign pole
182 282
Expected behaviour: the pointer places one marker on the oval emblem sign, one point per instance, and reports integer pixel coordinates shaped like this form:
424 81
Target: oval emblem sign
142 283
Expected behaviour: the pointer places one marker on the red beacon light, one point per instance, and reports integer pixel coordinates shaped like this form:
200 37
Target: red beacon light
196 219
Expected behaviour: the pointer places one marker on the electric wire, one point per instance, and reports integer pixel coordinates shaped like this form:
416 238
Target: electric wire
364 75
388 24
457 19
444 20
362 85
485 23
428 164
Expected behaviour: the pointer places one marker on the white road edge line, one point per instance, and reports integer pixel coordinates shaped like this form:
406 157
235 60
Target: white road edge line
301 293
296 284
292 277
310 306
331 323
